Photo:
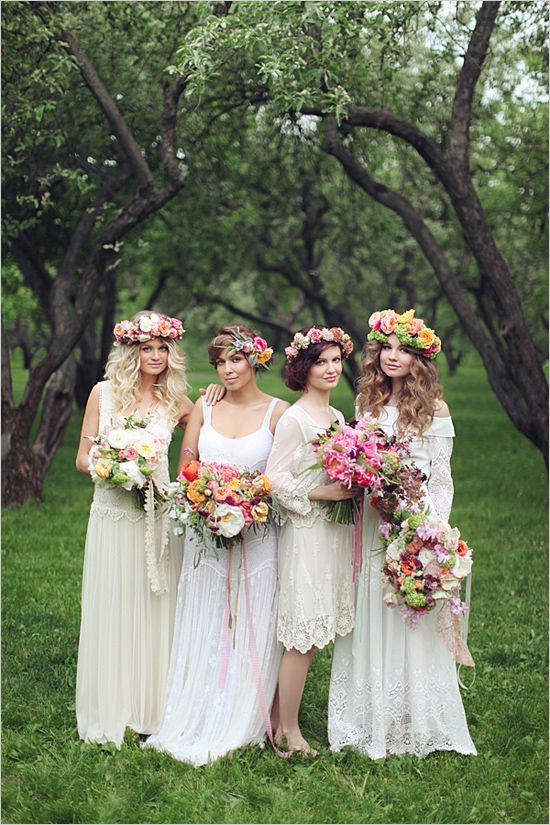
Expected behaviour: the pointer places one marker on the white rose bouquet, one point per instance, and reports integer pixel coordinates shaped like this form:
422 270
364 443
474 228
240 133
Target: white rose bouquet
127 455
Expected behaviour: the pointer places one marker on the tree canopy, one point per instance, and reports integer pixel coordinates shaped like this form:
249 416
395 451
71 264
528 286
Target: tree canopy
282 162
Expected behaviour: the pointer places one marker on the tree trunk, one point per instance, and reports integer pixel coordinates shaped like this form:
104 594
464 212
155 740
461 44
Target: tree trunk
25 466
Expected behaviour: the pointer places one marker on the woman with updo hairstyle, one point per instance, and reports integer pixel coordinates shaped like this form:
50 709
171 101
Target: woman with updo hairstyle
316 600
221 684
394 689
127 611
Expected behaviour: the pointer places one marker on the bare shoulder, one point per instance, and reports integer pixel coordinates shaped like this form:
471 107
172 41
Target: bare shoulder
93 398
280 407
186 406
441 409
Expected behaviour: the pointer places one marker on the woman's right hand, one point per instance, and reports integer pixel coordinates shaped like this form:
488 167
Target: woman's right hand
334 492
213 393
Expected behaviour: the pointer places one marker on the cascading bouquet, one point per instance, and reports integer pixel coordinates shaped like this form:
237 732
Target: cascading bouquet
426 564
426 561
127 454
360 454
217 501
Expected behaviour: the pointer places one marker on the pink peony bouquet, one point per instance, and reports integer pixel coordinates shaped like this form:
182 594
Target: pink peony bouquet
127 454
426 562
360 454
217 501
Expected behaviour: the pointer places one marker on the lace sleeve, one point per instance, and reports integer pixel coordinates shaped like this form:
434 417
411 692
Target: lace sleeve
440 482
290 486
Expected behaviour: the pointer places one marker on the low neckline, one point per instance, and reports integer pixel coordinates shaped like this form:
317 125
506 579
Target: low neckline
264 425
322 426
238 437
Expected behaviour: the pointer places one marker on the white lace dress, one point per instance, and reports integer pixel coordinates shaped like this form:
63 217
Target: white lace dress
126 629
394 689
316 600
203 720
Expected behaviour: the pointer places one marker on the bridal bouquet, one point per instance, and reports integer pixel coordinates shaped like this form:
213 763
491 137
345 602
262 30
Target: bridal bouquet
360 454
426 562
218 501
128 454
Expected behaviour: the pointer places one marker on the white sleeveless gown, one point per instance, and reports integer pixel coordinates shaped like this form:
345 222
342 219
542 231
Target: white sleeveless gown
203 721
126 629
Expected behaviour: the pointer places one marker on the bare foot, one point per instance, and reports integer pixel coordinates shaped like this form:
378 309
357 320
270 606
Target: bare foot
295 743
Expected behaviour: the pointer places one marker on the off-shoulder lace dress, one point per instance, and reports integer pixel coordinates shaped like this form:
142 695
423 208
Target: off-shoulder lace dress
316 600
394 689
126 629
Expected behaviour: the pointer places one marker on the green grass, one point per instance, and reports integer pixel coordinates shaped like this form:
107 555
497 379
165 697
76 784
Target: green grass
500 507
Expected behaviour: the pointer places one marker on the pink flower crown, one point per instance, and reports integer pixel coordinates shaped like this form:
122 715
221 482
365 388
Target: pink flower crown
411 331
255 348
147 327
319 336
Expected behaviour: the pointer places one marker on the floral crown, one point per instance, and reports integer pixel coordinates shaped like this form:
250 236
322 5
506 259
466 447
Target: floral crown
319 336
411 331
255 349
147 327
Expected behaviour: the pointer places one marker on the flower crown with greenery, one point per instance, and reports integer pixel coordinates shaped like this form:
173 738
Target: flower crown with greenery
314 335
256 349
147 327
411 331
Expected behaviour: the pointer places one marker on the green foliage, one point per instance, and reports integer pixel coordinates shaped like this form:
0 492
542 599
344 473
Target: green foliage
500 506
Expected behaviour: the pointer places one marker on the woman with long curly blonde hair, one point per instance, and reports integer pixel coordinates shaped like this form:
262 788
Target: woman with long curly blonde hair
130 581
394 690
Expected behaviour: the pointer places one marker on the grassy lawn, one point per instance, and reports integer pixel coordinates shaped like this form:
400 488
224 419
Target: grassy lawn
500 507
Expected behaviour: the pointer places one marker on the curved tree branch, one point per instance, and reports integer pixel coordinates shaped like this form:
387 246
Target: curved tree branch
111 111
467 79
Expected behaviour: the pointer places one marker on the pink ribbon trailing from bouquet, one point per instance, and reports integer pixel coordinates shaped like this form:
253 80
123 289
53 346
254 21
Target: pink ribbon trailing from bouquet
256 671
358 540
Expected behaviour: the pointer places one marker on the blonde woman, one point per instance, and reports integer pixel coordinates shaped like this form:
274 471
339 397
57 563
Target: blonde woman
126 628
393 689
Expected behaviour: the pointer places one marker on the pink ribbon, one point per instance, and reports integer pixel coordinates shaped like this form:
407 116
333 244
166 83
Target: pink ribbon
256 672
358 540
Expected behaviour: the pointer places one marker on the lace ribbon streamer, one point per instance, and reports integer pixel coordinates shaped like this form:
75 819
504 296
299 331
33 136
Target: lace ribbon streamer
358 540
156 568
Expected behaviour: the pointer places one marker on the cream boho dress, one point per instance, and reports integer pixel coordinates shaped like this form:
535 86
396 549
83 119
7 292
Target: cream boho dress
215 692
316 600
126 629
394 690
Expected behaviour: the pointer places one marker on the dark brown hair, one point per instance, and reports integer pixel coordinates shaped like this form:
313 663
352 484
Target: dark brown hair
296 370
224 338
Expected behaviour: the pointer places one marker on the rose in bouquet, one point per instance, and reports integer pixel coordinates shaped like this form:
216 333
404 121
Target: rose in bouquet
217 501
360 454
426 562
126 455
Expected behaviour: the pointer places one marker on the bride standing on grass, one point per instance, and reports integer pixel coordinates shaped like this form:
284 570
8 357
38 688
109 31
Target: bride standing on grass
216 699
393 689
126 629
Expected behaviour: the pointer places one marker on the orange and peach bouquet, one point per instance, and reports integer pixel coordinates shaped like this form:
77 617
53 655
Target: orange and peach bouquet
218 501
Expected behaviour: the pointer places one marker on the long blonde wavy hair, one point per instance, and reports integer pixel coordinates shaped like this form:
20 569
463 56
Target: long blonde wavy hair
122 370
419 394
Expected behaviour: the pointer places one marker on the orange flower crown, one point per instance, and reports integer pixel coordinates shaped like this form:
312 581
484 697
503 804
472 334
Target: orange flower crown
411 331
